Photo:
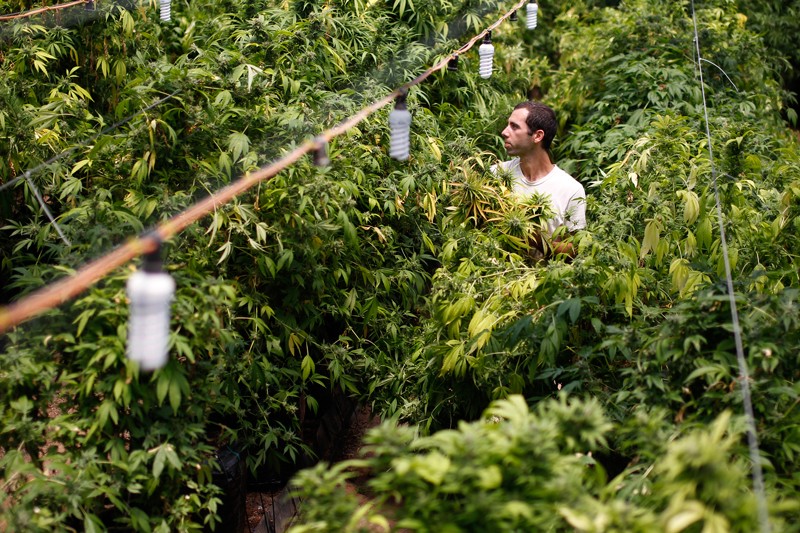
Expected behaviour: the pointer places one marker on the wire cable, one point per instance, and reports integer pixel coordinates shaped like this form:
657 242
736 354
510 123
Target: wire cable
26 14
47 211
744 375
66 288
721 70
478 37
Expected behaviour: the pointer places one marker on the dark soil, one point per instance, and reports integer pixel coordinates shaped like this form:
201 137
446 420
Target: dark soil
261 504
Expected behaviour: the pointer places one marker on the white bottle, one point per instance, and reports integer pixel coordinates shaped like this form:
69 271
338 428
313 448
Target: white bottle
400 130
486 53
166 10
150 291
532 18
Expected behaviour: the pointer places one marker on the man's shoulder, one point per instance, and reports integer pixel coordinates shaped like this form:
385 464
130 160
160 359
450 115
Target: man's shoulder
566 180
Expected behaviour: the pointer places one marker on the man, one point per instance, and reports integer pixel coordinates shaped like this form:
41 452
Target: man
528 136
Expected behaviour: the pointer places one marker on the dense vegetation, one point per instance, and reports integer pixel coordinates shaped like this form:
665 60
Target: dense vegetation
406 285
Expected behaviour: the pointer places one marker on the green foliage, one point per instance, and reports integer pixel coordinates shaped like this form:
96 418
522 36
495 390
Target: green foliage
306 287
521 470
409 286
776 23
89 439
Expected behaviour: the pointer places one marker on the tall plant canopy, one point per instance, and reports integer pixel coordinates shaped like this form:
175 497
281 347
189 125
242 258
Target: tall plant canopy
594 394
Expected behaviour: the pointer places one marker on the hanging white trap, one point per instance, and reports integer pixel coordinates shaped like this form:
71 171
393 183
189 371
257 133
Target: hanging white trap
400 128
166 10
532 12
486 53
150 291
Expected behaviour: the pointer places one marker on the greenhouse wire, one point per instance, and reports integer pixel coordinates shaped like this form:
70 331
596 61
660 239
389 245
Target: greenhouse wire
721 70
60 291
744 377
46 210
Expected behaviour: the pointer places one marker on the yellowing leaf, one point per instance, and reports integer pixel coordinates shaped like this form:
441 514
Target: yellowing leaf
577 520
452 357
295 341
691 513
307 367
79 165
679 271
652 234
481 322
432 467
434 144
691 206
490 477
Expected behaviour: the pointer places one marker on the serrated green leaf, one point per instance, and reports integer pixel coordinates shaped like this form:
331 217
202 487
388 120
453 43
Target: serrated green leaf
307 367
238 144
162 387
158 461
174 395
172 457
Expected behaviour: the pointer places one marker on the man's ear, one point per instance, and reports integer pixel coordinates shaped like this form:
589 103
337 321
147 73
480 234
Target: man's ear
537 136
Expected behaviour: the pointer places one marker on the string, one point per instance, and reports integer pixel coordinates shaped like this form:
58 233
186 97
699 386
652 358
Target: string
480 36
721 70
744 377
47 211
66 288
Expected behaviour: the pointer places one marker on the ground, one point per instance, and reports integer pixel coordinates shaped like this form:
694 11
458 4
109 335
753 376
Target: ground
260 504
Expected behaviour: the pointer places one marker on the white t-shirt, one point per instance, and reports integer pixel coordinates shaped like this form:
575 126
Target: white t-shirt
567 197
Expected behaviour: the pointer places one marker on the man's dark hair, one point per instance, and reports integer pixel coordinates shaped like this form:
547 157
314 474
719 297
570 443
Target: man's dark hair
540 117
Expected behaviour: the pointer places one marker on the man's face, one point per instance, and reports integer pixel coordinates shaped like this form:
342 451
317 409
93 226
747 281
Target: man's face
518 138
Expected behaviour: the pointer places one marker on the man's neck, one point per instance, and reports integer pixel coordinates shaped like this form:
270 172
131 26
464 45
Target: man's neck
535 166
